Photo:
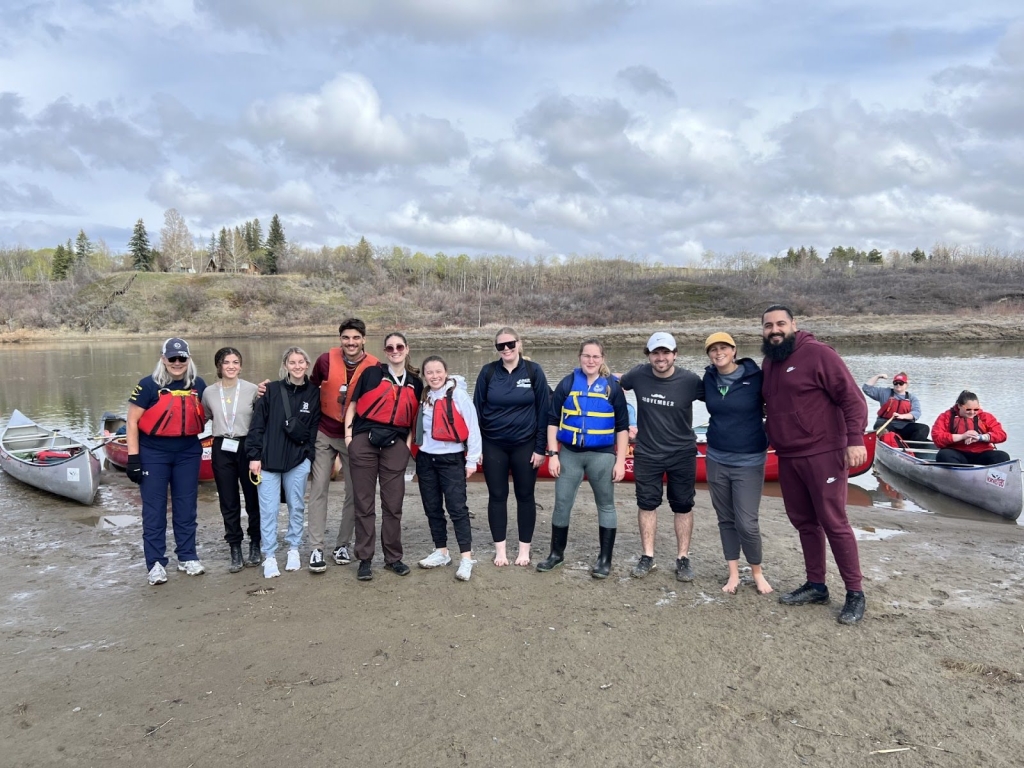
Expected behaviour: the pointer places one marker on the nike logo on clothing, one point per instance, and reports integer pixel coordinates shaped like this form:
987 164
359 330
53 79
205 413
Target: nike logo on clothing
791 368
830 480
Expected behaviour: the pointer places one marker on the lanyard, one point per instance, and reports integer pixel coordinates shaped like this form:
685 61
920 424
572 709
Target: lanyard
224 409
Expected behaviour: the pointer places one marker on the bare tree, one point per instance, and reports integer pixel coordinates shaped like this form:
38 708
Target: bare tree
176 242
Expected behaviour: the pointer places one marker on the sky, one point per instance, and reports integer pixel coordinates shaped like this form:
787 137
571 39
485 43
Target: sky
651 129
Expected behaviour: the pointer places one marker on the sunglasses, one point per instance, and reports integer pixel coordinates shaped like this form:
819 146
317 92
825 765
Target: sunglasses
503 345
899 383
391 348
177 359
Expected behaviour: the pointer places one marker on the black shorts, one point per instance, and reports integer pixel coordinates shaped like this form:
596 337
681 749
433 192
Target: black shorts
648 472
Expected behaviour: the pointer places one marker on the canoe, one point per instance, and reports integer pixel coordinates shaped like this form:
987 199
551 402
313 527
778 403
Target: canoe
116 449
48 460
996 488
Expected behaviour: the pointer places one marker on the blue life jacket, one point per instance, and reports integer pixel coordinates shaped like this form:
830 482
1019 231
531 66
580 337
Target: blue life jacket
588 418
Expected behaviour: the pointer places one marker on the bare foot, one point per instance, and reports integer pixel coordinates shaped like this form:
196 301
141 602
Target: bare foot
500 558
763 587
731 585
523 558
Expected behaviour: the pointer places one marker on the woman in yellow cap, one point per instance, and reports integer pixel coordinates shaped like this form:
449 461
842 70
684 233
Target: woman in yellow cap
736 452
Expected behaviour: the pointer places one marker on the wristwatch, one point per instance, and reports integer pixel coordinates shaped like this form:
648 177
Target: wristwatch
550 453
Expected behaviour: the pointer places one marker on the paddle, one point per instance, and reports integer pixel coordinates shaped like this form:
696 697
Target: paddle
882 428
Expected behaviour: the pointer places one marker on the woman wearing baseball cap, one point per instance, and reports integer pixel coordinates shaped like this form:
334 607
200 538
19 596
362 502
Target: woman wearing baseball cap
736 453
900 408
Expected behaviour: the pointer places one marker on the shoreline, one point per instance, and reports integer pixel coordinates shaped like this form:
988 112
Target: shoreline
889 329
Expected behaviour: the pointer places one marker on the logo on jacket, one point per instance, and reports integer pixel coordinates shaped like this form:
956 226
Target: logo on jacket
305 407
830 480
524 383
791 368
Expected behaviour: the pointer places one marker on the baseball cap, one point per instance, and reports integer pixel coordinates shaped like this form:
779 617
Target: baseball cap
899 377
719 338
176 348
661 340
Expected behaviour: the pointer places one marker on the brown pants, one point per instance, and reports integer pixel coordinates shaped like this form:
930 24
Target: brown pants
370 465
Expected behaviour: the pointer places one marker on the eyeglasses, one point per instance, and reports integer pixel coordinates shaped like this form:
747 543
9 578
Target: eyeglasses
392 348
177 359
591 357
501 346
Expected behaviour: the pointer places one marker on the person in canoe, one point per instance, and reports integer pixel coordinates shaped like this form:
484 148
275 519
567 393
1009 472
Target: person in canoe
165 419
736 453
815 419
965 434
900 409
588 434
229 403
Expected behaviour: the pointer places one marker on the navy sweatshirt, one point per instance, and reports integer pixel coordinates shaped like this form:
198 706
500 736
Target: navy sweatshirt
736 424
511 410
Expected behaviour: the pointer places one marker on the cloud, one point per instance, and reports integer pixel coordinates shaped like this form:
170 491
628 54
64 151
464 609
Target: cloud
343 123
468 231
29 198
645 80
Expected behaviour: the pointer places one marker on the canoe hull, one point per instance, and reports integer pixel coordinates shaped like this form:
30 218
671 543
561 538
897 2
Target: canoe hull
116 450
76 477
996 488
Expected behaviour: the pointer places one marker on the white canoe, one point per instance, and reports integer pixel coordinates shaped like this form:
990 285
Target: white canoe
49 460
995 488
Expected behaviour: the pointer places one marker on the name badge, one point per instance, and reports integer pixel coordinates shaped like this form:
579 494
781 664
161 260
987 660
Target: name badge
229 444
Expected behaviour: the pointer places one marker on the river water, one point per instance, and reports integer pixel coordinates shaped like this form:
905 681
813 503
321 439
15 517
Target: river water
68 385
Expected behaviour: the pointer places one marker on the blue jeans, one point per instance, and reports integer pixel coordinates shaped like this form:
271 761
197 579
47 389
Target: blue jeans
179 470
598 468
294 483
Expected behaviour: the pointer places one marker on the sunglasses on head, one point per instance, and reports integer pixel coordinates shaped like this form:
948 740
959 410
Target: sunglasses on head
177 359
503 345
394 348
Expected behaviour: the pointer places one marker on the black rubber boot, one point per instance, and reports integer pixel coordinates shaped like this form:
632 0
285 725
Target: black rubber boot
255 555
236 558
558 538
603 566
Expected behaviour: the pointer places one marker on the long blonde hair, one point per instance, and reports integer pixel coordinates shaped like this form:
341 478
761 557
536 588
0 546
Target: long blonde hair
163 377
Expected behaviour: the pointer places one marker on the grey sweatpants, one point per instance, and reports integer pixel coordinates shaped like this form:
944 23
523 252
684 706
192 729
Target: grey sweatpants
736 496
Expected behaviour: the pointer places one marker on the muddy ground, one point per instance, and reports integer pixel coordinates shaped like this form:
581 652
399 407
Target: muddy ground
514 668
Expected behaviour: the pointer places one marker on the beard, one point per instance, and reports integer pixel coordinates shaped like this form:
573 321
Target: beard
782 350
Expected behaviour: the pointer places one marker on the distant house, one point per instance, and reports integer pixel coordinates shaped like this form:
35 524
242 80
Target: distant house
251 267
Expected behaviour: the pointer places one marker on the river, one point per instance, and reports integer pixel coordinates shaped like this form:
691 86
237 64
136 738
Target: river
68 385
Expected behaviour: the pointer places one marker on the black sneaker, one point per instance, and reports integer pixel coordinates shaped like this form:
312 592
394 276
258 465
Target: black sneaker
365 571
316 561
397 567
805 595
683 570
853 610
644 566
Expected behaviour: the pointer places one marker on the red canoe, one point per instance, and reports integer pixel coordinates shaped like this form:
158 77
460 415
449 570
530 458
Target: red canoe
116 448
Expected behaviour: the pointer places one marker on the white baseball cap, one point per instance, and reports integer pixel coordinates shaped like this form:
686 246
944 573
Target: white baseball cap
661 340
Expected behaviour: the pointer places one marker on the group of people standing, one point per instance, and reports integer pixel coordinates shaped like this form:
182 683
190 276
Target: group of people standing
368 412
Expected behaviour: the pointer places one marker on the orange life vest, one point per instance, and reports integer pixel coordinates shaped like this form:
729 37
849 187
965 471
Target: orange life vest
447 425
389 404
176 413
335 389
894 406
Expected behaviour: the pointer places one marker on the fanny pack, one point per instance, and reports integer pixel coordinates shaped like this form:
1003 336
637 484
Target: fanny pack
383 437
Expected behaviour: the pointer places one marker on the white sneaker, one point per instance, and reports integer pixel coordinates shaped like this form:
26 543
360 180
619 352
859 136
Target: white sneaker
157 575
270 568
294 562
465 569
435 559
191 567
342 556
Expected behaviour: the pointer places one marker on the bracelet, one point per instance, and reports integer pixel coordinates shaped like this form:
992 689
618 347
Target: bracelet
551 453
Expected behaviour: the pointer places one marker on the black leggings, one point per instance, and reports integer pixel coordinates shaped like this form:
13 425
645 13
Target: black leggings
953 456
498 460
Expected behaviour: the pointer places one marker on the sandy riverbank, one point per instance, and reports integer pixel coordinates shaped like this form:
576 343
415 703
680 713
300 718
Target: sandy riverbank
869 329
515 667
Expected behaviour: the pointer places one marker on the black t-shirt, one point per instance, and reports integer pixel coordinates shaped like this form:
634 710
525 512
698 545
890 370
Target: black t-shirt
664 410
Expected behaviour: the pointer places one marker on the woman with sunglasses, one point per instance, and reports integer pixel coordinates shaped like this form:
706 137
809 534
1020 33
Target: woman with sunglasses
512 399
165 418
378 433
900 409
280 445
965 434
229 403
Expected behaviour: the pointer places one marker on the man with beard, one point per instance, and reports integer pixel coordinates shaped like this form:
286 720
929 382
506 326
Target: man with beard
666 444
815 421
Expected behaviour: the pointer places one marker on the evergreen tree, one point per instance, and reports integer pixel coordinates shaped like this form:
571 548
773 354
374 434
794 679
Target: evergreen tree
363 253
275 246
257 236
139 249
63 259
83 248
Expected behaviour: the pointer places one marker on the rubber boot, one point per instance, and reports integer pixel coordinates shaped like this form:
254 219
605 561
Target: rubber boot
255 556
558 538
236 558
603 566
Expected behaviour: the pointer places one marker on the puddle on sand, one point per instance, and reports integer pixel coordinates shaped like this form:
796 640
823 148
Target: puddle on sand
109 522
874 534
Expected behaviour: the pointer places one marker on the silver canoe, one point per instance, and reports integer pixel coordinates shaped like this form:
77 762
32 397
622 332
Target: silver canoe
995 488
49 460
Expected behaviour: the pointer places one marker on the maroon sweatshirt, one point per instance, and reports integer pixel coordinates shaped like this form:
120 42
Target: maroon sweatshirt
812 403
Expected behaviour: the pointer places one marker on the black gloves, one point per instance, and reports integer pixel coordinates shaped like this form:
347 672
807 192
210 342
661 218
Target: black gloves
134 468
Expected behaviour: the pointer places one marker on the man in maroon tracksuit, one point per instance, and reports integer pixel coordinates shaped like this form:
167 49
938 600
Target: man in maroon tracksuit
815 421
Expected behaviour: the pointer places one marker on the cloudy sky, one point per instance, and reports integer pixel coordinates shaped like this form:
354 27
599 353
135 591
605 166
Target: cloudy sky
651 128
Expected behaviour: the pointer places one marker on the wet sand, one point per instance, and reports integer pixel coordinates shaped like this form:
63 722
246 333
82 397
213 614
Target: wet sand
514 668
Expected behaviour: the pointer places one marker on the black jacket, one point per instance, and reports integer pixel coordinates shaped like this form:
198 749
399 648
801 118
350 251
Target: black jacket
267 440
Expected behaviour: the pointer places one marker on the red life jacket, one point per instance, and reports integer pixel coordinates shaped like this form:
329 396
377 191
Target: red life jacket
389 404
176 413
894 406
447 425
